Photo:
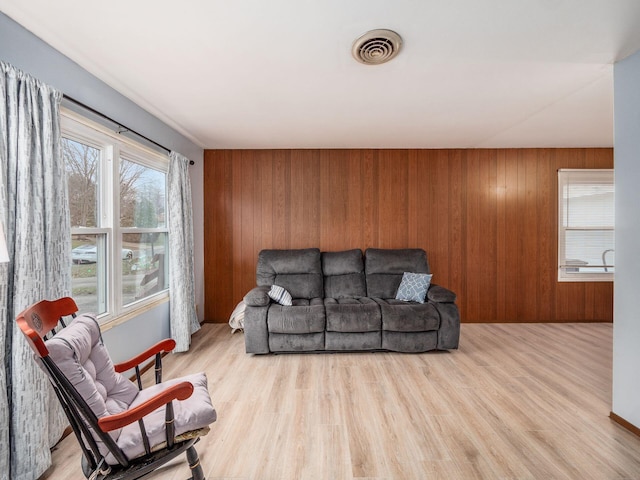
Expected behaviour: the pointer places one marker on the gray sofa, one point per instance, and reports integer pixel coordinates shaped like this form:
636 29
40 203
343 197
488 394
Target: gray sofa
344 301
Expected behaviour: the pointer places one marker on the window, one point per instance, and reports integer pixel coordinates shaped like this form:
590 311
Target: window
117 200
585 225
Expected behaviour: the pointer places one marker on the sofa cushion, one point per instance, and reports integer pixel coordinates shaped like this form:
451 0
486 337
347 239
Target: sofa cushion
400 316
410 342
343 274
344 341
384 269
307 342
298 271
413 287
352 315
305 316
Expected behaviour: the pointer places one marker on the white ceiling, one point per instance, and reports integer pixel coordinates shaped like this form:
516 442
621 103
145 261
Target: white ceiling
279 73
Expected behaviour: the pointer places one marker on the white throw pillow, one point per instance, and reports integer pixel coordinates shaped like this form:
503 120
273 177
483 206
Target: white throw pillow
280 295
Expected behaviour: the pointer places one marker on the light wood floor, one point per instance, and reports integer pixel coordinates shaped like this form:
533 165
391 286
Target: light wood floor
525 401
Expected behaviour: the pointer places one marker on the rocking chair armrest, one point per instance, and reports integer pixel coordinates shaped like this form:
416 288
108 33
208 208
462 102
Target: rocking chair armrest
180 391
165 345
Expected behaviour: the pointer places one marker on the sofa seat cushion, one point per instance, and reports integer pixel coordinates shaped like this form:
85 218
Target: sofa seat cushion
304 316
410 342
401 316
306 342
353 342
352 315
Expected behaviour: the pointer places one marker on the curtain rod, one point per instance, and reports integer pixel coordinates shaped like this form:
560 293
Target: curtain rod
120 125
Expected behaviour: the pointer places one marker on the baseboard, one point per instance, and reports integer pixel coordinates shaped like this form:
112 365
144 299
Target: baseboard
623 423
67 431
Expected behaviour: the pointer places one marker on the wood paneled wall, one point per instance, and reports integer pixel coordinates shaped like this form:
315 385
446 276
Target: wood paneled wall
487 219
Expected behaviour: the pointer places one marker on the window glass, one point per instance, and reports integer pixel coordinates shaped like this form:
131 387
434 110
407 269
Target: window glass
147 272
88 250
142 196
82 165
88 273
142 218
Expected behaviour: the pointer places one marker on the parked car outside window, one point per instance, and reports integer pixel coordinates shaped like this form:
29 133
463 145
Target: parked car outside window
89 254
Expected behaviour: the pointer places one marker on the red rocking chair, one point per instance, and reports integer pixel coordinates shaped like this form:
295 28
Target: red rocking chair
124 431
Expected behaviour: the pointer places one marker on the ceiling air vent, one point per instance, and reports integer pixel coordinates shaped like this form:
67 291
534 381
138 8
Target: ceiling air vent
376 47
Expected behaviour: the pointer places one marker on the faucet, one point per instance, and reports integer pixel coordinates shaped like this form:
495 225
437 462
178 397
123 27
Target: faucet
604 259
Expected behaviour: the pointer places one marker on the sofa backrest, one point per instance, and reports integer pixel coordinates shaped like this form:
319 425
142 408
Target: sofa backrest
344 274
298 271
384 269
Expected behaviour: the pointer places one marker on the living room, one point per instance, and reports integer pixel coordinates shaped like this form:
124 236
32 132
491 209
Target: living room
485 214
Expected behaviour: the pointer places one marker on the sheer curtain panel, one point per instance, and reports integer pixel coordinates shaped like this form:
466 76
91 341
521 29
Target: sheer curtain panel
35 214
184 321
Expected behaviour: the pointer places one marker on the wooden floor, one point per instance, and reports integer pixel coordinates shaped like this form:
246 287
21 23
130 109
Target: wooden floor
525 401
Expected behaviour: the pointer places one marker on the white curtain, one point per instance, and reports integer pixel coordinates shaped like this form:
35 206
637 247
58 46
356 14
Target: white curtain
184 321
35 213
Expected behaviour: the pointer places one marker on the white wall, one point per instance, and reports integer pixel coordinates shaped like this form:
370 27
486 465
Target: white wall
27 52
626 318
137 328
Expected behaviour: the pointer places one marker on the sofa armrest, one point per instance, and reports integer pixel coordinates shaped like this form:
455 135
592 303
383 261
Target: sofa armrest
439 294
256 329
257 297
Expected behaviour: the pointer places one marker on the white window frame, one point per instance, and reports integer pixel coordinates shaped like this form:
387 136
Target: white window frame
114 146
572 273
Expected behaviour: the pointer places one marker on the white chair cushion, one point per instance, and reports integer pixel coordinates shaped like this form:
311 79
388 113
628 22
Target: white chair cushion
191 414
80 354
